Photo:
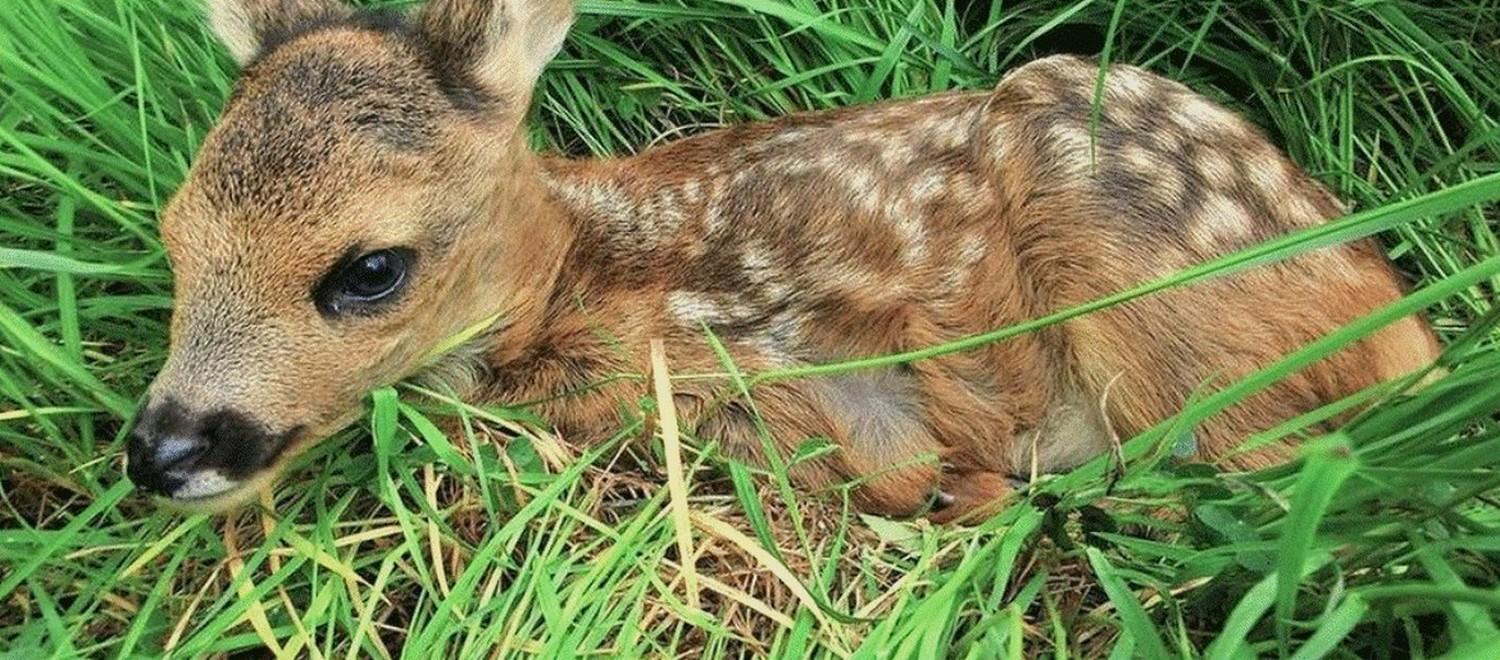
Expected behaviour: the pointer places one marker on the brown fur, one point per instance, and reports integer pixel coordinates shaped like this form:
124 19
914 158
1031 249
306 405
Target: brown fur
809 239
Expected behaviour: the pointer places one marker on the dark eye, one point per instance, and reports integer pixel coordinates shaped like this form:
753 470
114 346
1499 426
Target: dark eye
363 280
375 275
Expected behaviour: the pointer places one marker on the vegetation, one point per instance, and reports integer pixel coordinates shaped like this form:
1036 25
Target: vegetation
1380 540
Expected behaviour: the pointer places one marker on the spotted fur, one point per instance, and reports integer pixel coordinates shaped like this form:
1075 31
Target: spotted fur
811 238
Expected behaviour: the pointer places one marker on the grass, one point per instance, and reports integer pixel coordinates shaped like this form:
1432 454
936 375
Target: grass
1382 540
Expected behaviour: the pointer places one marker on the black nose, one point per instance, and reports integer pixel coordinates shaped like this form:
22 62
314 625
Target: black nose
177 451
163 448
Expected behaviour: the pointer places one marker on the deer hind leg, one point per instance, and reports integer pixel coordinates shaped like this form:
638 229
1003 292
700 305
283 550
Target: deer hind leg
1151 355
1163 194
1210 335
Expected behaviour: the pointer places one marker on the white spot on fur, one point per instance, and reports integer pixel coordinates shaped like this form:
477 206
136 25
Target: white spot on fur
846 276
909 213
971 250
1131 84
926 186
661 215
895 154
784 137
692 192
859 180
792 166
1171 141
1269 173
1215 167
947 130
1221 221
997 139
756 261
1141 160
760 269
693 308
1069 70
1171 185
1195 113
713 217
1297 209
1168 182
914 233
1070 138
605 200
1071 143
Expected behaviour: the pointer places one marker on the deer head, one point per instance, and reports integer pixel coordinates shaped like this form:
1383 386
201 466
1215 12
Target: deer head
366 194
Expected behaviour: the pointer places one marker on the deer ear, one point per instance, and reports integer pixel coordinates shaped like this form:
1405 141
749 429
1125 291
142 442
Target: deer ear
498 47
247 26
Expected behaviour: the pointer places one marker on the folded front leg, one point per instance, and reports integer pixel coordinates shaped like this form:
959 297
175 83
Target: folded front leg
881 446
966 495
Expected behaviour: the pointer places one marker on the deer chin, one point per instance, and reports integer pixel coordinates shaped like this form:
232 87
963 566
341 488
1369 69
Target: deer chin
212 494
206 484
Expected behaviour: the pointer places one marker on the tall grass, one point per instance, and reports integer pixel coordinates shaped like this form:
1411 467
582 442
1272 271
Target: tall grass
1381 540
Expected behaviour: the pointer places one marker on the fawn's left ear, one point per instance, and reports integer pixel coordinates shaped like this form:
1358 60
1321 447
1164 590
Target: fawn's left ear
247 26
499 47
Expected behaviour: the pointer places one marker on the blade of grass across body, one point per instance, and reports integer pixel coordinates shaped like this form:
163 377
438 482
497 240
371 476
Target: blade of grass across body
1351 228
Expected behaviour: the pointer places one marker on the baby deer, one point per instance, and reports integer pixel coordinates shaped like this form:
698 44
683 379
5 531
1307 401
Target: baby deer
369 193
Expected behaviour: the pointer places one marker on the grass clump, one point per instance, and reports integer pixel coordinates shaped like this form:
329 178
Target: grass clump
1380 541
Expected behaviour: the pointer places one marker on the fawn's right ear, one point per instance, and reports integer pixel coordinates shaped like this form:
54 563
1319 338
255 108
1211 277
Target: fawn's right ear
497 47
247 26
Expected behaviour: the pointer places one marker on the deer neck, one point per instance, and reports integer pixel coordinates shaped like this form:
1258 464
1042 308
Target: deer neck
605 280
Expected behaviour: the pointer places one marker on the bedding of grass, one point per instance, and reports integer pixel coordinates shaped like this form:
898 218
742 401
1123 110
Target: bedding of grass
1382 540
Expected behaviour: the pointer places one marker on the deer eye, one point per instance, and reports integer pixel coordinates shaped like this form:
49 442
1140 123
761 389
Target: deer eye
363 281
375 275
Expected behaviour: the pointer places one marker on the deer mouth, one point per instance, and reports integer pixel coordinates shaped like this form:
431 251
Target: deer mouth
203 485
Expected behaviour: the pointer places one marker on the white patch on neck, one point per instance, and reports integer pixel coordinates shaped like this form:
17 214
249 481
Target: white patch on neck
459 372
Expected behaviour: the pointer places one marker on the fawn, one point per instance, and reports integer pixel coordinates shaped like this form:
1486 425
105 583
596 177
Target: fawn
368 193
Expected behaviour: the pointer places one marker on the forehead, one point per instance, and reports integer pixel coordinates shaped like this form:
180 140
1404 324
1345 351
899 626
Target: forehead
323 116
